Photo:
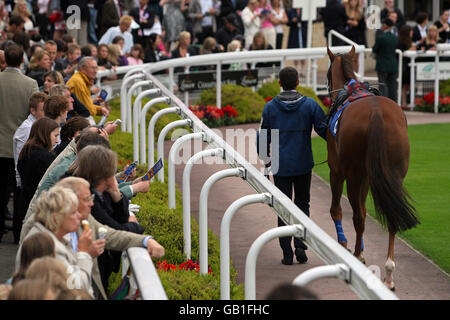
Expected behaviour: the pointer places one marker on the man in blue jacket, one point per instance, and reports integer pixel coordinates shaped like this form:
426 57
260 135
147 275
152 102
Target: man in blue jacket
293 116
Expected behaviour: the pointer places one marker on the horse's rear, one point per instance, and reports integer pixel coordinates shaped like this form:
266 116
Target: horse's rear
371 150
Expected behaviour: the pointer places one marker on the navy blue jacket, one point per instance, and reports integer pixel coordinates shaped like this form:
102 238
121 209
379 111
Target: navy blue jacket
294 119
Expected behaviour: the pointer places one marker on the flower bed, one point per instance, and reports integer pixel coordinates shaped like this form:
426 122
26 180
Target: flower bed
426 104
214 117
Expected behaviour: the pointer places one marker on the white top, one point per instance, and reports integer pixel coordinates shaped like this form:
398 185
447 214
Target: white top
112 32
206 6
20 137
278 27
250 27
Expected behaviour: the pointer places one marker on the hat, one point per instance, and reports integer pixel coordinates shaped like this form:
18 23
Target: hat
388 22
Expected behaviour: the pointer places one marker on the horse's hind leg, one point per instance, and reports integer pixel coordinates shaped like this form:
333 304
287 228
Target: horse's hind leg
337 185
390 264
357 189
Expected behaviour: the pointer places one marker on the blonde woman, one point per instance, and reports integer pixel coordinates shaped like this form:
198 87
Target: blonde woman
355 28
251 20
40 64
21 9
57 215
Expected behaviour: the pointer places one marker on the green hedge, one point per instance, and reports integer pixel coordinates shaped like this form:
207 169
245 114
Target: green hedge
272 89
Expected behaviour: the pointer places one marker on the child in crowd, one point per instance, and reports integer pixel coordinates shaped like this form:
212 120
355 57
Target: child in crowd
137 55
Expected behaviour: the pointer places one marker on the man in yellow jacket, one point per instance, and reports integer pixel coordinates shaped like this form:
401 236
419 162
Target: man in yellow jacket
80 84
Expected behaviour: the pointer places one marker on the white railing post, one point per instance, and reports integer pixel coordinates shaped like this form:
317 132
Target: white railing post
151 132
147 279
219 85
187 194
129 99
203 212
171 80
142 127
225 238
436 82
162 137
252 256
171 162
186 93
314 75
136 113
400 76
123 100
340 271
412 87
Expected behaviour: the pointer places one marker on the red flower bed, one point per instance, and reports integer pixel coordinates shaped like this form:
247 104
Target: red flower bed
214 117
187 265
426 103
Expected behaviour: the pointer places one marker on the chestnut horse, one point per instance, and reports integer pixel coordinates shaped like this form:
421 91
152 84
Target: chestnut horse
370 150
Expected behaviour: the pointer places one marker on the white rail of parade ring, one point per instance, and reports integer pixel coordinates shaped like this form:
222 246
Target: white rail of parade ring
357 276
219 59
442 50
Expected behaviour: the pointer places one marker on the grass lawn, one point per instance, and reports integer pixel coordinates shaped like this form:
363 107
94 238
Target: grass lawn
428 182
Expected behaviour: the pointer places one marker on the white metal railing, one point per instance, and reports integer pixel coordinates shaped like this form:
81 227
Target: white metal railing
319 241
442 50
145 274
219 59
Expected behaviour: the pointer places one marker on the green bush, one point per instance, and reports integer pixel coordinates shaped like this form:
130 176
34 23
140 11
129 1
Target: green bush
272 89
247 103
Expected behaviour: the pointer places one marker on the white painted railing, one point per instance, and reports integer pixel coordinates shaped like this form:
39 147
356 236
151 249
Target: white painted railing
442 50
219 59
145 274
360 278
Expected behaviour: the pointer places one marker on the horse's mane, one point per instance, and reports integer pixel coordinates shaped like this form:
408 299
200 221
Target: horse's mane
347 67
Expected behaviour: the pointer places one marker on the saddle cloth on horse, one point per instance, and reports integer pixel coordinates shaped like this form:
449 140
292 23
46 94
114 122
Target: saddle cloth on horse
352 91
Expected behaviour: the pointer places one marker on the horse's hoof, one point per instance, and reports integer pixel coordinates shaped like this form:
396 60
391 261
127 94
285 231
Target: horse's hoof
362 259
390 286
344 244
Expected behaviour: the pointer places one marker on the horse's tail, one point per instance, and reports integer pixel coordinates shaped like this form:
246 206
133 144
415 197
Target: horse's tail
392 202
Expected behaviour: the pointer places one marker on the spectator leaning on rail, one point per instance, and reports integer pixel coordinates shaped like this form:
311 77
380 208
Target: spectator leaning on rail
80 84
115 239
97 165
293 116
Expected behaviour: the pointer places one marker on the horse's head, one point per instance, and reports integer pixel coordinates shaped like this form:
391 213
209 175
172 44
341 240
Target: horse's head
340 71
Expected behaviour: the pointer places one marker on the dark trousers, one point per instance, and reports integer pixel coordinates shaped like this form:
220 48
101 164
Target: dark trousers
7 184
301 186
207 31
279 40
389 86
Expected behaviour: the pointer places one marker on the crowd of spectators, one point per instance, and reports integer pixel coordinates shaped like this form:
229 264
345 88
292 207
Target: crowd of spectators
60 165
62 171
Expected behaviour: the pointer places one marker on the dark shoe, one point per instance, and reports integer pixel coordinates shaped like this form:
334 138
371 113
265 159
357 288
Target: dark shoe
287 261
300 255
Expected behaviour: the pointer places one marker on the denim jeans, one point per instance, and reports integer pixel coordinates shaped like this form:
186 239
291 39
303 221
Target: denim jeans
92 35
